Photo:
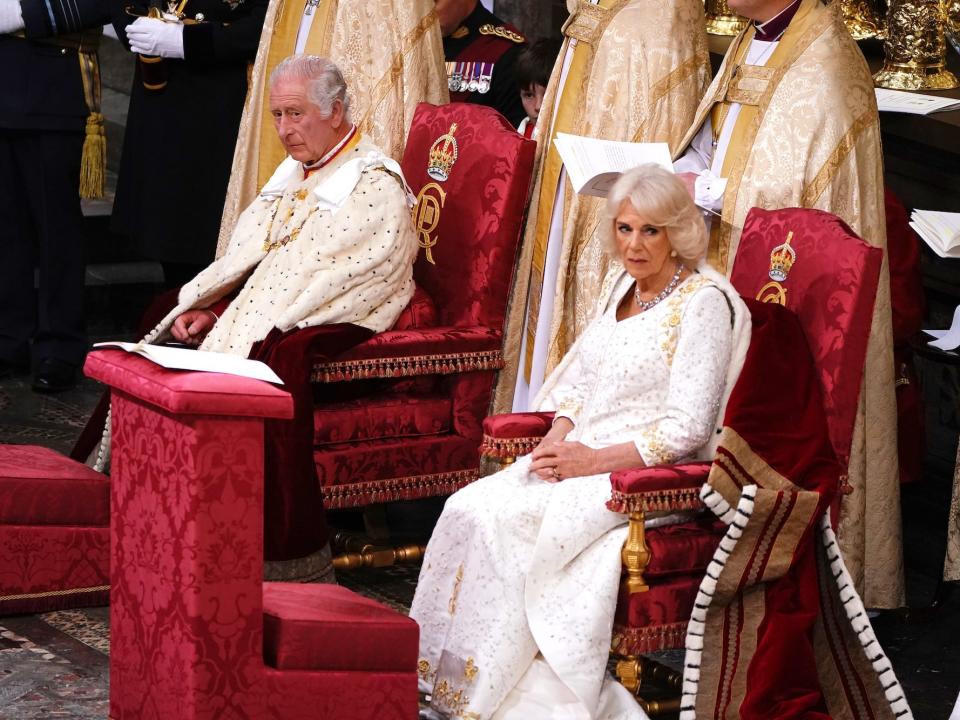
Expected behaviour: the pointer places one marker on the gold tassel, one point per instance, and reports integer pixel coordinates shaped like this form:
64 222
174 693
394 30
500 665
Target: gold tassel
93 163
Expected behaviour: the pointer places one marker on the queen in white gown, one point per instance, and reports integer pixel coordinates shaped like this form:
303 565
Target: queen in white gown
518 589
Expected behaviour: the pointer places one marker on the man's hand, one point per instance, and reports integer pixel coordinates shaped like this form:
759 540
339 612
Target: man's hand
192 326
152 36
561 460
689 179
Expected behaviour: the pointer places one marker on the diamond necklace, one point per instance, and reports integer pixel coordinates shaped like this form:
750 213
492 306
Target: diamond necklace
644 305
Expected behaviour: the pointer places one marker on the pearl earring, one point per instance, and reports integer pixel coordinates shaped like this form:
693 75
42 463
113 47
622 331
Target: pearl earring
673 253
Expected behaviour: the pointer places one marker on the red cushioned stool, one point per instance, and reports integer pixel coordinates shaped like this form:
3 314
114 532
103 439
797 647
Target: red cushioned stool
328 627
54 532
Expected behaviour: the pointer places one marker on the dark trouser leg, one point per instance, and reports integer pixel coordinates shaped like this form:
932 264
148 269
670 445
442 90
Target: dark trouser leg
18 305
52 169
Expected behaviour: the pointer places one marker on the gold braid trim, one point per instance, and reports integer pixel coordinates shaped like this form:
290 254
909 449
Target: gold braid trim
442 364
653 638
813 191
55 593
499 448
393 489
655 500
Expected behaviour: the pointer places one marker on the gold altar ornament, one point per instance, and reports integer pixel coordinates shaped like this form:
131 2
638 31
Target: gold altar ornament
862 19
720 19
915 48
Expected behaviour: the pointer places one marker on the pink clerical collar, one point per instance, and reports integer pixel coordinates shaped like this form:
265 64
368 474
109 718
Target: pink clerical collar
307 169
773 28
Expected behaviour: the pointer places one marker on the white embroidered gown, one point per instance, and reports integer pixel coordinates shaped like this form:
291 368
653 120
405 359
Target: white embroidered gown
519 568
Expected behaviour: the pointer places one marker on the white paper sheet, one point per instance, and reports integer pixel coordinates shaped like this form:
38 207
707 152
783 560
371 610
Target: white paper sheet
913 103
594 165
947 339
175 358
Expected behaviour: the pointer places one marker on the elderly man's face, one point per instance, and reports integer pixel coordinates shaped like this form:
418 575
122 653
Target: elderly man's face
453 12
306 135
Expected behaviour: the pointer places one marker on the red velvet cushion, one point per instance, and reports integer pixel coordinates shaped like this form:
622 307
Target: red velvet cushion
655 619
375 471
480 208
686 548
660 477
327 627
517 425
191 393
420 312
41 487
381 417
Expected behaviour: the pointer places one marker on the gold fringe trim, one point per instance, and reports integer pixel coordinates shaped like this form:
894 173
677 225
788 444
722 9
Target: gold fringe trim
54 593
443 364
652 638
499 448
93 160
390 490
656 500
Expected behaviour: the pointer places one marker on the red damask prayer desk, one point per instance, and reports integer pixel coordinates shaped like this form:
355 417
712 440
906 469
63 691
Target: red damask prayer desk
195 632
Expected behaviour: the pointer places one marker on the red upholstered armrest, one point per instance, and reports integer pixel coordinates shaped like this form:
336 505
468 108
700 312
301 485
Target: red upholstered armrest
657 488
421 351
513 434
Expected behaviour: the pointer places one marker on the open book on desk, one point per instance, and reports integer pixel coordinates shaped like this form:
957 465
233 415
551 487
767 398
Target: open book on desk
182 358
593 165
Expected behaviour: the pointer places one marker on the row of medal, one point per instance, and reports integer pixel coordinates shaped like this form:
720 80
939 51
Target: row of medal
469 76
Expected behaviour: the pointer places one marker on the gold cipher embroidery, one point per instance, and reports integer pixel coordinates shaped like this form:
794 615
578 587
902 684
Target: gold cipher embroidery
426 216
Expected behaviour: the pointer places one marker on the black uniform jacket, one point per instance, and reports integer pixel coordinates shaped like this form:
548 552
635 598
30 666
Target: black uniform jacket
179 141
42 85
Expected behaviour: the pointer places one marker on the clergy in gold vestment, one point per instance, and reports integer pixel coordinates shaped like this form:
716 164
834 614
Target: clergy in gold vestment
791 121
391 54
630 70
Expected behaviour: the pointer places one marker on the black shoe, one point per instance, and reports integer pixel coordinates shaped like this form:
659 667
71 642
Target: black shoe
53 376
9 368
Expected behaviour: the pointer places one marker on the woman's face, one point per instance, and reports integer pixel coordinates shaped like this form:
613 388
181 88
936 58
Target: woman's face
644 247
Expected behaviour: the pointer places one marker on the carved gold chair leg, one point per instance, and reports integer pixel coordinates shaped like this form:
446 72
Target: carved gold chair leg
660 707
629 671
661 675
635 554
359 552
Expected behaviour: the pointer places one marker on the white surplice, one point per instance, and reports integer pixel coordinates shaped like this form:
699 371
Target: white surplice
519 582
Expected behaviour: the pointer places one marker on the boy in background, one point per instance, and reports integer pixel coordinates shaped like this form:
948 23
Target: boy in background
534 65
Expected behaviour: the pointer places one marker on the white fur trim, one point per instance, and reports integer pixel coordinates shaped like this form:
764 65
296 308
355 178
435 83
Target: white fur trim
708 587
860 622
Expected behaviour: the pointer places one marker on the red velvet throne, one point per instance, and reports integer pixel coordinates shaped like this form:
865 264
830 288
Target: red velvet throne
195 632
398 417
830 285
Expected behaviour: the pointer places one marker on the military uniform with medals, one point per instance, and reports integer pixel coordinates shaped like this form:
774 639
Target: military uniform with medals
180 138
481 55
50 87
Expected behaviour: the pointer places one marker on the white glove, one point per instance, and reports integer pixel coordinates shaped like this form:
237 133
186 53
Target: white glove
150 36
11 16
